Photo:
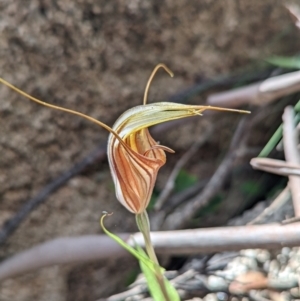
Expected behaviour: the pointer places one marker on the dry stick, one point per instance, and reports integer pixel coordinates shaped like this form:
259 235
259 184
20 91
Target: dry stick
157 218
139 289
259 93
279 201
220 81
184 195
181 217
169 186
278 167
290 143
12 224
197 241
294 11
291 220
61 251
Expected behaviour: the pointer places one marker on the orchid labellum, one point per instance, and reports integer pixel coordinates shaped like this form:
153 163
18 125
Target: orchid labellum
134 156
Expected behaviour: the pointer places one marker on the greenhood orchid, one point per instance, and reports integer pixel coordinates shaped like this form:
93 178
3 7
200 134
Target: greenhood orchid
134 156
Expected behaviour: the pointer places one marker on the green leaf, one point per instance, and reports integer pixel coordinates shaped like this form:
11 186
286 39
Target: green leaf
297 107
184 180
140 256
148 267
250 188
153 199
278 134
272 142
285 62
131 276
211 207
153 285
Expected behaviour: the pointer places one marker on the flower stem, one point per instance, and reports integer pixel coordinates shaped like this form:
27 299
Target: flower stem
143 224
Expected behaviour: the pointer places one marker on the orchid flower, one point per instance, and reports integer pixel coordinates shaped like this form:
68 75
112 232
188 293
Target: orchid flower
134 156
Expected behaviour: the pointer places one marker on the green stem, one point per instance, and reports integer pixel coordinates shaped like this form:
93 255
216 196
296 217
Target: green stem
143 224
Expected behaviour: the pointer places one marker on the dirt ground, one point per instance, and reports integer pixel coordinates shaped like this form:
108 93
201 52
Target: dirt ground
95 57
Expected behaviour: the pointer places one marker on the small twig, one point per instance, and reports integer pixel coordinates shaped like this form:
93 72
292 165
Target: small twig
220 81
260 93
139 289
157 218
291 220
196 241
169 186
278 167
180 217
290 143
179 198
279 201
182 278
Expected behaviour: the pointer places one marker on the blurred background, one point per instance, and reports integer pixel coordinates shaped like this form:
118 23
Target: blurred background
96 57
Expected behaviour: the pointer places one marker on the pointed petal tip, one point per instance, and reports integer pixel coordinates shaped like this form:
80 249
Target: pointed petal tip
228 110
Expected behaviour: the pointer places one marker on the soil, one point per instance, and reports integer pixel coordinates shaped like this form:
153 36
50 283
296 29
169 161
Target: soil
95 57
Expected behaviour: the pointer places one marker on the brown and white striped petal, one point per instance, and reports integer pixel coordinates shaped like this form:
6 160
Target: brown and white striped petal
135 157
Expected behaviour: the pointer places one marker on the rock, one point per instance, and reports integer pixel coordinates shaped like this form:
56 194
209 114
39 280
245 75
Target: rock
282 259
252 253
249 262
286 251
222 296
216 283
266 266
274 267
263 256
295 292
210 297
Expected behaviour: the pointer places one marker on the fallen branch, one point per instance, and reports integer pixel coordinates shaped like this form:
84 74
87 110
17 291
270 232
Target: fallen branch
290 143
259 94
197 241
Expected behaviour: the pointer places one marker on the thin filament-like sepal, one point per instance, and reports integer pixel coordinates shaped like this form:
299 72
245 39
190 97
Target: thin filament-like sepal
63 109
165 148
151 78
